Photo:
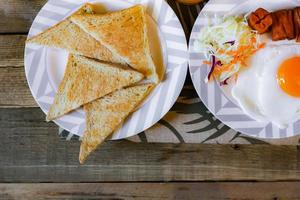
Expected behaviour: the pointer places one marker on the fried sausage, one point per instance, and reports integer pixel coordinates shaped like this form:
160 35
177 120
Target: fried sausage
297 23
260 20
283 25
278 32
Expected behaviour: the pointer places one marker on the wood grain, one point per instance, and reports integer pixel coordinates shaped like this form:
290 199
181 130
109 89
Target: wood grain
144 191
14 91
17 16
31 151
12 50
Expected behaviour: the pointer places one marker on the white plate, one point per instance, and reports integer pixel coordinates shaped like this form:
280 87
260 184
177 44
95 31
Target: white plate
218 100
45 66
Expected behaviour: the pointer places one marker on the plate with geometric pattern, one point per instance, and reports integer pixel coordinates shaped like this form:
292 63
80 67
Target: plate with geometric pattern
220 104
44 67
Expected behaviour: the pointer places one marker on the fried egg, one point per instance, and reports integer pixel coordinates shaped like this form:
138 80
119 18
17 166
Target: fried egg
269 89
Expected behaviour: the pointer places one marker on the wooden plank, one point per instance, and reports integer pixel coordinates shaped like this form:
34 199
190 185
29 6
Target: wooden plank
31 151
14 91
12 50
143 191
17 16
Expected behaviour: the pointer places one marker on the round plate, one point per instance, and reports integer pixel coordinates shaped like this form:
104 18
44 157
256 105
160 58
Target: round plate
45 67
218 100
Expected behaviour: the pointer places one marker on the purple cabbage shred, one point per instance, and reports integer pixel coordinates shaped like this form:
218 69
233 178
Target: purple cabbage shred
230 42
225 82
214 63
212 68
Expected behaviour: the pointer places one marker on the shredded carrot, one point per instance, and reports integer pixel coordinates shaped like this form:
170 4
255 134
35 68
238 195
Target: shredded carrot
262 45
239 56
224 68
205 62
253 40
243 62
221 51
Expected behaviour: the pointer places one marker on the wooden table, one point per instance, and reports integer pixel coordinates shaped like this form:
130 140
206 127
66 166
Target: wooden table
36 164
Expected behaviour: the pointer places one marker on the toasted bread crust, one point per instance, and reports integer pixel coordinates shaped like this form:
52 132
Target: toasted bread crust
124 33
86 80
104 115
67 35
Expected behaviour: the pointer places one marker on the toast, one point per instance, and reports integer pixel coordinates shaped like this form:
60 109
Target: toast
86 80
125 34
68 36
106 114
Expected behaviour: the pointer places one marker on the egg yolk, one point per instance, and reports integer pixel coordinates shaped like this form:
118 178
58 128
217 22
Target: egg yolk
288 76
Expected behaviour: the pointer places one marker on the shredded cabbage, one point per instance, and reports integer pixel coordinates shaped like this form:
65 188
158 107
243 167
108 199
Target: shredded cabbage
232 42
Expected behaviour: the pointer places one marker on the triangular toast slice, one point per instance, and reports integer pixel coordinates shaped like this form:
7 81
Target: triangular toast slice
104 115
68 36
86 80
125 34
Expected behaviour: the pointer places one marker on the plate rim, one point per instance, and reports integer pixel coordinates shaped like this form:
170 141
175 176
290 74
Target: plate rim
183 66
268 126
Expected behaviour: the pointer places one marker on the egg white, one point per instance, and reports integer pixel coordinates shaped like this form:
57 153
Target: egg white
257 91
